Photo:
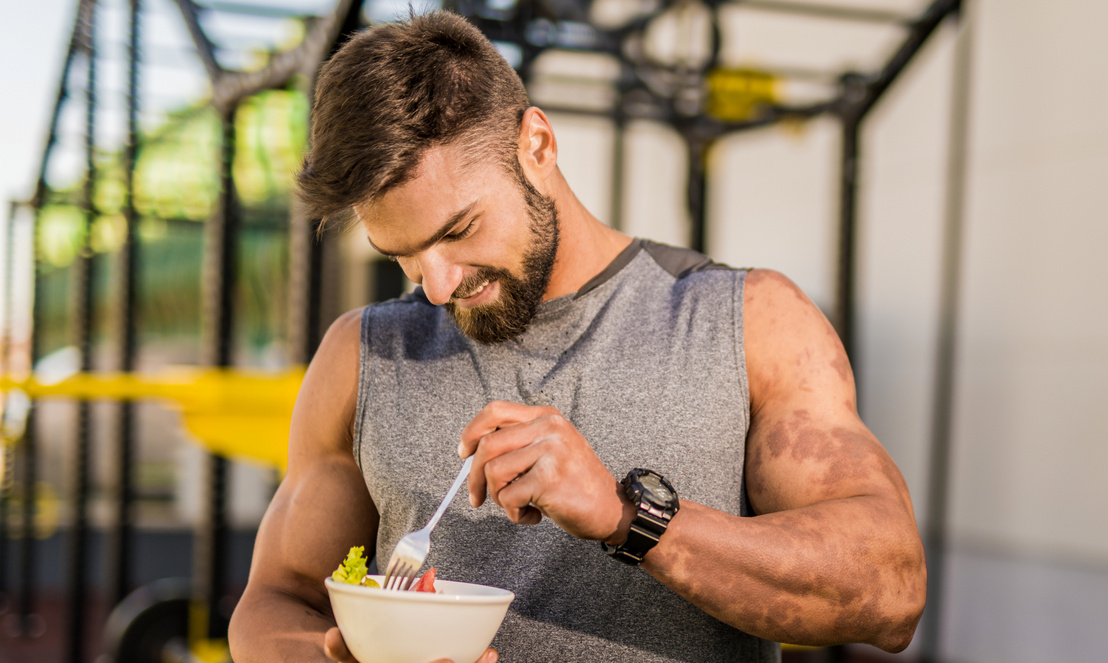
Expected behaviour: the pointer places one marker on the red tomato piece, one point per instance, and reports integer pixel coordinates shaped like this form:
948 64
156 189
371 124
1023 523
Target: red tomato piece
426 582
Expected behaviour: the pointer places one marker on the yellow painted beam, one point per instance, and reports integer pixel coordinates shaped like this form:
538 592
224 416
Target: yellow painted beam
232 412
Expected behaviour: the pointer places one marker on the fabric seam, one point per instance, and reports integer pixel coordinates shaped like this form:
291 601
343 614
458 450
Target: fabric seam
738 325
363 389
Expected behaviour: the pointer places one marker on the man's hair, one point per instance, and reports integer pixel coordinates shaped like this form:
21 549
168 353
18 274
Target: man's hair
394 91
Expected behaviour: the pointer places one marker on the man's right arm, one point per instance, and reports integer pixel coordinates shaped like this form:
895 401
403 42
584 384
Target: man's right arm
320 510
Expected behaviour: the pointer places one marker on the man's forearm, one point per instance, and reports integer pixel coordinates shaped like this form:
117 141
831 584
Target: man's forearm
276 626
830 573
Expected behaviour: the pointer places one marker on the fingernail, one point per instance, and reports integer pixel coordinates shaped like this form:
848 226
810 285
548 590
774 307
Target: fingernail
472 501
462 449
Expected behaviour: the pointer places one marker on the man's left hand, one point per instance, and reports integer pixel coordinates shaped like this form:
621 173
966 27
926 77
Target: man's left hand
533 462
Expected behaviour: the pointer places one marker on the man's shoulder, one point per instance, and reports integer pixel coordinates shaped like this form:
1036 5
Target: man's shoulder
409 326
680 262
411 306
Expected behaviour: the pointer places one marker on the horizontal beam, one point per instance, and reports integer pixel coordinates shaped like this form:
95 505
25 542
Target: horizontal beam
322 34
922 29
261 11
854 14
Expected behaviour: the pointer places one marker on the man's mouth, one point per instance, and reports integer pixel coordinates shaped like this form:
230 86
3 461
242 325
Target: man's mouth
474 292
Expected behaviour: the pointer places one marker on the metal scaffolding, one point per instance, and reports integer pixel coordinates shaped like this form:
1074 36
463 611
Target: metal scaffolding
702 100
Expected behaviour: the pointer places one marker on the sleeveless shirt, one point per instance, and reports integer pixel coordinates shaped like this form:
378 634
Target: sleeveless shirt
646 360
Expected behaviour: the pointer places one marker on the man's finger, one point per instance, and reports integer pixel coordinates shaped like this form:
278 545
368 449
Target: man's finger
496 415
517 501
335 647
511 461
502 448
490 656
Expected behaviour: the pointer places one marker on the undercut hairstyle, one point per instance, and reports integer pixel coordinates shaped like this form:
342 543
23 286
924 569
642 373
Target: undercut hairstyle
397 89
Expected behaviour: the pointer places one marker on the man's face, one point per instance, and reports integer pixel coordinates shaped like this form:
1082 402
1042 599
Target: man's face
481 242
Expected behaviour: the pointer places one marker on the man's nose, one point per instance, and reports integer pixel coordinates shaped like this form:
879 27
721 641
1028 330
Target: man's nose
439 277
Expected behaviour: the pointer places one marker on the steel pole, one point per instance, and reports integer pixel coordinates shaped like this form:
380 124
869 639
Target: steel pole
6 455
943 394
212 538
122 545
84 317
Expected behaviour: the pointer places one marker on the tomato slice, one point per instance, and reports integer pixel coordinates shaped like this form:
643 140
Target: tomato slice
426 582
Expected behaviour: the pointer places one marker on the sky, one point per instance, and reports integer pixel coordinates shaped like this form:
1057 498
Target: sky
33 38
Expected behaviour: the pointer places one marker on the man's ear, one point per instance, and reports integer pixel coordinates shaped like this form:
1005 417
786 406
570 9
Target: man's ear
538 150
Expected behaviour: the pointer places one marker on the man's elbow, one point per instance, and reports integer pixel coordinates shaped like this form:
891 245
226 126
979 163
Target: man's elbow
905 608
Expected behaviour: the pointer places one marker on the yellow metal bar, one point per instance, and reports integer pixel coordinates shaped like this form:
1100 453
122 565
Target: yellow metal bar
736 94
232 412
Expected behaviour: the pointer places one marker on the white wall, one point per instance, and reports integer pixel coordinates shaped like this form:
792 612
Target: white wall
1030 434
1028 572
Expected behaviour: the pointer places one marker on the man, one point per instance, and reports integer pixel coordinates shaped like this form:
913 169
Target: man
561 355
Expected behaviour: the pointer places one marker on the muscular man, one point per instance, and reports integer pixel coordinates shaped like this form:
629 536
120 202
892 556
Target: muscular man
562 354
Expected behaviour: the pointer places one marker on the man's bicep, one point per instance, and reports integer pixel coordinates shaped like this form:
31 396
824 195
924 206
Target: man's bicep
795 459
322 507
806 443
310 525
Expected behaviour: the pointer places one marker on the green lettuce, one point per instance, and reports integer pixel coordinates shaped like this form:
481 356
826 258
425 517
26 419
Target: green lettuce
353 569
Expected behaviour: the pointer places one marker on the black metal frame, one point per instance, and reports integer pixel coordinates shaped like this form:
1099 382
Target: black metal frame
857 95
120 581
84 317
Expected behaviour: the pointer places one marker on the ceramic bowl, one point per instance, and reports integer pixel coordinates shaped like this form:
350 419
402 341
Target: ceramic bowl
457 622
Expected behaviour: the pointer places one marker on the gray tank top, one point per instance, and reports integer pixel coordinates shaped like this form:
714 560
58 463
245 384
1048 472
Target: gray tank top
646 360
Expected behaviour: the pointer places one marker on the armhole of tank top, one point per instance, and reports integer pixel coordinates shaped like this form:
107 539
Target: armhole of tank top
744 381
363 390
740 341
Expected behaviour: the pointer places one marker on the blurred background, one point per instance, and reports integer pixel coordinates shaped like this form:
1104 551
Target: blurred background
926 170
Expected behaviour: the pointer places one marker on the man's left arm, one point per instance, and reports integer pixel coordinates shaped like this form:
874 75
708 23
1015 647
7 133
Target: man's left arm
833 554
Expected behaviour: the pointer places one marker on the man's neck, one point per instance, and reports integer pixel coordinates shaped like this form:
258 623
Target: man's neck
585 244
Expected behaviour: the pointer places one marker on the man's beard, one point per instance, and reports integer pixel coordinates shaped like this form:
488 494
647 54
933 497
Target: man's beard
508 316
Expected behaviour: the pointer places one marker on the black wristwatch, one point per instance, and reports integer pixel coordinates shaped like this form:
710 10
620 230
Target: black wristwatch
657 503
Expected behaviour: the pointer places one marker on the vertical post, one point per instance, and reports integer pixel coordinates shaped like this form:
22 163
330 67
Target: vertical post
212 540
938 485
698 190
313 319
84 276
121 554
308 245
619 145
6 455
26 617
26 621
851 113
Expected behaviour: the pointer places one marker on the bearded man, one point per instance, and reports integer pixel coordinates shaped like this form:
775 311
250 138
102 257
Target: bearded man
698 421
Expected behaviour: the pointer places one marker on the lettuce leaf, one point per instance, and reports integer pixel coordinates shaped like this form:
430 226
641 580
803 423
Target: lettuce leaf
353 569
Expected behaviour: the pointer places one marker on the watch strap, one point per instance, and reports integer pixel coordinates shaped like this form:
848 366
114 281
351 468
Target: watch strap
646 530
648 526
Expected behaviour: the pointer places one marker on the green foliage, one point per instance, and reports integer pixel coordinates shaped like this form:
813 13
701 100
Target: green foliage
177 189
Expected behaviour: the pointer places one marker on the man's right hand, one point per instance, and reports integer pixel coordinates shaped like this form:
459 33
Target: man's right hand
335 648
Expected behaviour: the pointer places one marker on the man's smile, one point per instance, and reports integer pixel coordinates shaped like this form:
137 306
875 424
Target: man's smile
482 294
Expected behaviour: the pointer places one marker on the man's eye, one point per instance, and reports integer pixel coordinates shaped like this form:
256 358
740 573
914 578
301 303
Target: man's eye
466 232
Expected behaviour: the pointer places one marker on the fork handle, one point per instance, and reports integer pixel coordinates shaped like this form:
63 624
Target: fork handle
450 494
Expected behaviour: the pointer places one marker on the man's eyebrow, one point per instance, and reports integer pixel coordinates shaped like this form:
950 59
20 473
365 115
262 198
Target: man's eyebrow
442 232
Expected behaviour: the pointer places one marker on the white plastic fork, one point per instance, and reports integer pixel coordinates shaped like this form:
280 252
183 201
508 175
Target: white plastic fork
411 551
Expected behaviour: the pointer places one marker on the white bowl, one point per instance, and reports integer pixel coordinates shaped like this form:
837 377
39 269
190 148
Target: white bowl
457 622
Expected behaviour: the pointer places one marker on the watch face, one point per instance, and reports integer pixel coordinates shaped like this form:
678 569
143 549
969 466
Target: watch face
653 485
